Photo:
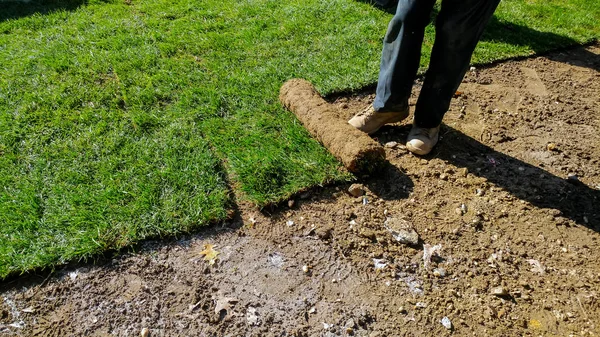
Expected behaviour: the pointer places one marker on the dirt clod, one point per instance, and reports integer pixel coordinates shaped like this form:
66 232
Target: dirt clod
402 231
356 190
500 291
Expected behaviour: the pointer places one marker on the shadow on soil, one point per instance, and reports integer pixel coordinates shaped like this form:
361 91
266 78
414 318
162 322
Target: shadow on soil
540 42
574 200
19 9
390 183
578 57
541 188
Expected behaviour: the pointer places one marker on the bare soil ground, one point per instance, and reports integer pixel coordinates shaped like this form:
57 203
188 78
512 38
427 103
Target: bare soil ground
511 196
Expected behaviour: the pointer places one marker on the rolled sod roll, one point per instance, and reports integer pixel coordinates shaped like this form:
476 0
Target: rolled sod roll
355 149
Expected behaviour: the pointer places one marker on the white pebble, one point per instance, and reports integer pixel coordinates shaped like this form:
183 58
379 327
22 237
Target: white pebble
446 323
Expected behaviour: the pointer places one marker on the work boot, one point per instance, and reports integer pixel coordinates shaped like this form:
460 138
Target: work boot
421 140
369 121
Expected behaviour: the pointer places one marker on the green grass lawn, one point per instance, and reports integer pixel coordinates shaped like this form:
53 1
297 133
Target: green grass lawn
122 120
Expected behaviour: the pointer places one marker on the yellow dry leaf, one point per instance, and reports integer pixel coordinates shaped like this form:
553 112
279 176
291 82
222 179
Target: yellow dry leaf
209 253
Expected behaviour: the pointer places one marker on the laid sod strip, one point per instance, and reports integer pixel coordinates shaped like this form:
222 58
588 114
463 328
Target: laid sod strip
119 120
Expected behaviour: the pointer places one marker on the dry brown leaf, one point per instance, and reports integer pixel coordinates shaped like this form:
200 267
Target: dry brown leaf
209 253
224 303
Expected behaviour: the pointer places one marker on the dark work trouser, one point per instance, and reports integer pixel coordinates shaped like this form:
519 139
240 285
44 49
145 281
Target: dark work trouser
459 27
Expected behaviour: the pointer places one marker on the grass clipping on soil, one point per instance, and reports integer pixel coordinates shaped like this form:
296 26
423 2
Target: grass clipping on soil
355 149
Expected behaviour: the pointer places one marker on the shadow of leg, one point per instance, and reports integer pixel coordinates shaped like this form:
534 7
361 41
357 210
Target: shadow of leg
541 188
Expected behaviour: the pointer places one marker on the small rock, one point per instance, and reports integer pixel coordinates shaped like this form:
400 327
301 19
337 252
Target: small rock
443 176
291 203
343 105
379 263
479 192
420 305
499 291
439 272
252 316
350 323
356 190
551 147
324 232
391 145
402 310
452 292
572 177
446 323
428 252
145 332
290 223
306 269
28 310
472 69
536 266
402 231
276 260
464 209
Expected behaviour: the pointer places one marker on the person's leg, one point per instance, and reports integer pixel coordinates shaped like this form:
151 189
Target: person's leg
401 54
459 27
399 65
